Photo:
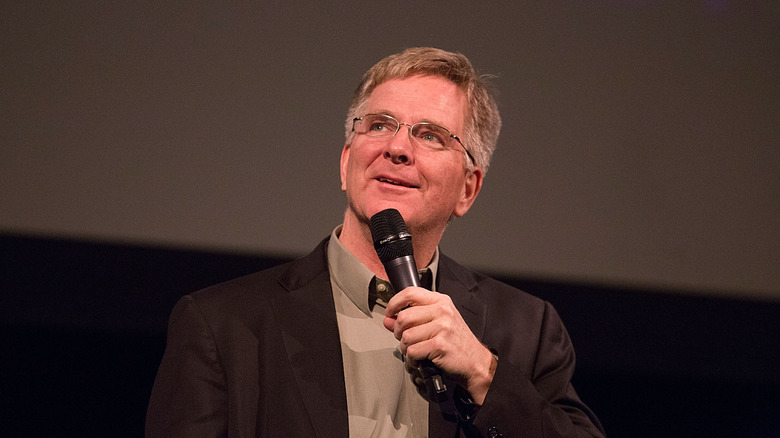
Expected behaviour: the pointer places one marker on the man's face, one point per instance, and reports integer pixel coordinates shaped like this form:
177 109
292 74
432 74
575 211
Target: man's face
426 186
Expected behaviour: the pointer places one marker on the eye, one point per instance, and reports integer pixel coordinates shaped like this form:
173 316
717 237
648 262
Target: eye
377 125
431 135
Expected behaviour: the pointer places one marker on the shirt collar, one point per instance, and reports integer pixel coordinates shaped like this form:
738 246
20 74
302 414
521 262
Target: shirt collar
353 277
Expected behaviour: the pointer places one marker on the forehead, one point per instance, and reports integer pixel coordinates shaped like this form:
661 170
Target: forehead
421 99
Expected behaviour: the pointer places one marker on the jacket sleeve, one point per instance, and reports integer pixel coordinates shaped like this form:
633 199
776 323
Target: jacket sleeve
541 402
189 397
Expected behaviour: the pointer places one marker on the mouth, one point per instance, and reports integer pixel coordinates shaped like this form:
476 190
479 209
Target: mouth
394 182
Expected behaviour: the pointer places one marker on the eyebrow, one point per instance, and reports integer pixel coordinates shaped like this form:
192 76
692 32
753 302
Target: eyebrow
392 114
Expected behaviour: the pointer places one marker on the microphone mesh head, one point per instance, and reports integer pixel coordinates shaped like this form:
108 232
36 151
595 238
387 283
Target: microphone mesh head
391 238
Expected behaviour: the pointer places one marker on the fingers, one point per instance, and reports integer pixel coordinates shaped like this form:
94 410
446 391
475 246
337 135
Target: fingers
411 327
422 321
411 296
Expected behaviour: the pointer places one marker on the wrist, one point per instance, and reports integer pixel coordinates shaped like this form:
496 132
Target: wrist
480 381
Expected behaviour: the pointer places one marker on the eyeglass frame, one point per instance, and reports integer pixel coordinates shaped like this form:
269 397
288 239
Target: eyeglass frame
411 126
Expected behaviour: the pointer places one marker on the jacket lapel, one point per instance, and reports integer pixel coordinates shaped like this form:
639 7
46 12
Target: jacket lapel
307 318
458 282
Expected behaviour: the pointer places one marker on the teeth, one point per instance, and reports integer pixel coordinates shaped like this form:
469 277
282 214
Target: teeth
389 181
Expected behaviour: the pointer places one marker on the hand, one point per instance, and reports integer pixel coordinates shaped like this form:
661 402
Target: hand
428 326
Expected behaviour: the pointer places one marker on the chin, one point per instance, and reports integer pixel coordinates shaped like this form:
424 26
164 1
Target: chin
404 209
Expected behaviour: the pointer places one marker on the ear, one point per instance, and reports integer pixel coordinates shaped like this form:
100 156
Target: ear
343 166
471 187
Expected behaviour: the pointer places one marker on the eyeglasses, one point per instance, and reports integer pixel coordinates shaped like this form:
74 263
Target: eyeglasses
425 134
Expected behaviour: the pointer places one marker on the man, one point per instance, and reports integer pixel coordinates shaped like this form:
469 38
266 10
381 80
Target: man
321 347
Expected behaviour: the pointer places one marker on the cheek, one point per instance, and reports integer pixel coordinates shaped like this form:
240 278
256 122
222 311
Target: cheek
362 155
449 176
356 165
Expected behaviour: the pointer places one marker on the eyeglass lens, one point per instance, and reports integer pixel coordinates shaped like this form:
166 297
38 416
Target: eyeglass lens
427 134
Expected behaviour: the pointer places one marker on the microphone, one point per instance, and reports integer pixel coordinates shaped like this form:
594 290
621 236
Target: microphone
393 245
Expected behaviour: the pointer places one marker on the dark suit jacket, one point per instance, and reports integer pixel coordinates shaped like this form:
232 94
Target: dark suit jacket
260 356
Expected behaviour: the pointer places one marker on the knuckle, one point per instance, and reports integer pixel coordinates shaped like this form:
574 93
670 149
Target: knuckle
401 320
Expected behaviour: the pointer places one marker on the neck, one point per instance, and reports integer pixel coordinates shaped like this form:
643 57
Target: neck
356 237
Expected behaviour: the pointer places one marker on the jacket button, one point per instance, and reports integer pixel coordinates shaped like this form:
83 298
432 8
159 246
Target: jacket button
494 433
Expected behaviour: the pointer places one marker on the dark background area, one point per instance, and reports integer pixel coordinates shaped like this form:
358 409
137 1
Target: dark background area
82 330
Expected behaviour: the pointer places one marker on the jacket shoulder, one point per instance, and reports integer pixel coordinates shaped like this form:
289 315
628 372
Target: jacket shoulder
489 289
260 287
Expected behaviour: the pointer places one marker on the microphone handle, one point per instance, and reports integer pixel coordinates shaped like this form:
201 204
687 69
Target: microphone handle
402 273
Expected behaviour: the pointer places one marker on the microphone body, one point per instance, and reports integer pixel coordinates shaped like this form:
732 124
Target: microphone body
402 272
393 245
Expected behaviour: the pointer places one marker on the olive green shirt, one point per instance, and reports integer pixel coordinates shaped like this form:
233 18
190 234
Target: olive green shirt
381 399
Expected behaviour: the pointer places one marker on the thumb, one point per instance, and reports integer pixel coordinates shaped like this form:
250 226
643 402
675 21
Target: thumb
389 322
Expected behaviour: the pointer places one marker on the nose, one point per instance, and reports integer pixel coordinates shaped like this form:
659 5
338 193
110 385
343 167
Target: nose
400 149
